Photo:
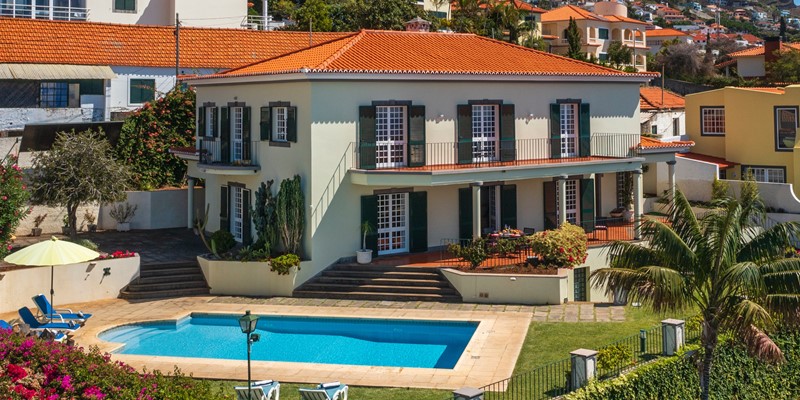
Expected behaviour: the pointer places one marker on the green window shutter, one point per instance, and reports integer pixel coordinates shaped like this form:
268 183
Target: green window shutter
416 136
224 209
550 208
587 205
215 122
555 131
464 120
247 146
291 124
366 144
508 206
369 214
225 135
247 235
418 221
201 122
507 133
265 123
584 132
465 213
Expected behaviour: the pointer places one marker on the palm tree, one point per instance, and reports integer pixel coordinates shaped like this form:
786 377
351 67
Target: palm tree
725 264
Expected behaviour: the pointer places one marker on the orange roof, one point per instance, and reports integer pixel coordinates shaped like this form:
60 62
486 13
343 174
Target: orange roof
759 51
665 32
399 52
577 13
655 144
721 162
650 99
29 41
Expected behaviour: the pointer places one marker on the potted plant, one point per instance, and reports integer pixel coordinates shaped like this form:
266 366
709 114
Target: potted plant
123 213
37 221
90 219
65 225
364 255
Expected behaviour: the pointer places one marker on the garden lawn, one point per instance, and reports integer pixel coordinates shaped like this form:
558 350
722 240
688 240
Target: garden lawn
289 392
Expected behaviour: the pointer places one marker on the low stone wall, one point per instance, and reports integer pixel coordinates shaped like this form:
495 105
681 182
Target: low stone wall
74 283
237 278
509 288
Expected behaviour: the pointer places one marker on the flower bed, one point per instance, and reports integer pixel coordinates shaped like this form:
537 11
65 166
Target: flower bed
34 369
117 254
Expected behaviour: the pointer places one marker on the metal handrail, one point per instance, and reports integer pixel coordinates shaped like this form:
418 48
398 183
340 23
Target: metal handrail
60 13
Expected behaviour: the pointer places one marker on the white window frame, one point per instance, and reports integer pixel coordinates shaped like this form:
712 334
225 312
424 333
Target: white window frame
485 132
237 213
391 136
717 124
676 126
280 124
573 216
393 223
778 141
130 83
568 128
237 133
768 174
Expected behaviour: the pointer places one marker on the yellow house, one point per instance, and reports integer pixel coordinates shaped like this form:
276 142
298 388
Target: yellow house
754 127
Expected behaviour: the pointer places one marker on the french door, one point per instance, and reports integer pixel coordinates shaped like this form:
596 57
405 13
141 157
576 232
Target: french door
569 129
392 223
237 133
484 132
579 275
572 201
390 136
237 213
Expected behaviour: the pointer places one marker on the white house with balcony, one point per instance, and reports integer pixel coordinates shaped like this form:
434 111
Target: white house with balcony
598 30
448 137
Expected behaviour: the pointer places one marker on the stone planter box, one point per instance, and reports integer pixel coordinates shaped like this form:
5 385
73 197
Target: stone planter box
236 278
527 289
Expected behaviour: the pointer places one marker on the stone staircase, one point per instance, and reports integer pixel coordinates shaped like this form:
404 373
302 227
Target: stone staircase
157 281
386 283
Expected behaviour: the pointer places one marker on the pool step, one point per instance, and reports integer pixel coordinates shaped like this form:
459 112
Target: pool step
167 280
380 282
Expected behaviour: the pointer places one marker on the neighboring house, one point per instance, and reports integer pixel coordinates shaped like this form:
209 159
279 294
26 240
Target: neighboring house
670 14
440 8
530 15
448 136
751 63
657 37
207 13
754 127
662 113
57 71
608 23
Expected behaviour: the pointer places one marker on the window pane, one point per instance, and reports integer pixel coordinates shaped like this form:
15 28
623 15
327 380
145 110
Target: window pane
713 121
53 94
785 127
142 90
279 123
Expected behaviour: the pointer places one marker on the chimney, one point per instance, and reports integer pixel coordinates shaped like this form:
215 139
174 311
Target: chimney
771 45
418 25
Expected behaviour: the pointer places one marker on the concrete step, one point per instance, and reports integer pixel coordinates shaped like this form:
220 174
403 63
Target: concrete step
356 295
160 294
333 287
156 287
149 273
385 281
381 274
196 277
381 268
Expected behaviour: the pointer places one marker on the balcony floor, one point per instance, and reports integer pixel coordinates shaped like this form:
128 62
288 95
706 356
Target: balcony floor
497 164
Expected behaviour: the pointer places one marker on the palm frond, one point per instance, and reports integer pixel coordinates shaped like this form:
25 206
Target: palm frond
723 236
746 276
632 255
769 244
782 282
666 289
684 221
741 313
786 307
673 250
615 278
761 346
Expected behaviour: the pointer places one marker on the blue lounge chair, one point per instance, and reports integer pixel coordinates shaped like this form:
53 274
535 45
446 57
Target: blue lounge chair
35 325
65 315
5 325
261 390
325 391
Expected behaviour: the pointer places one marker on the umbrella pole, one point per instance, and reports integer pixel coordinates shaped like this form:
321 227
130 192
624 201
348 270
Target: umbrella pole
52 305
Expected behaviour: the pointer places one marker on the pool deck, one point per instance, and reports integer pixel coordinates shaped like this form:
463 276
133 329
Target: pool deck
489 357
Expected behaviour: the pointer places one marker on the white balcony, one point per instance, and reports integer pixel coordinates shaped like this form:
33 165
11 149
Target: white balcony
51 12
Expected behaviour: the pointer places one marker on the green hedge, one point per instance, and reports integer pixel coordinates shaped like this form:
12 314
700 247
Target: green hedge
734 375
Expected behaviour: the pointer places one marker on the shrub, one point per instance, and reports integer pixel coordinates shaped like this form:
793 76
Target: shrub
614 358
13 198
474 252
565 247
719 189
253 253
123 212
222 241
284 263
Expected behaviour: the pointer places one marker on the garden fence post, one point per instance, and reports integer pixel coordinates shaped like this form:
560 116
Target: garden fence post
584 367
468 393
673 332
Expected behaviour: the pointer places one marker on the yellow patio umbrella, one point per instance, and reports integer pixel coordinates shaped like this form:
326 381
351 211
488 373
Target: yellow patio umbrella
51 253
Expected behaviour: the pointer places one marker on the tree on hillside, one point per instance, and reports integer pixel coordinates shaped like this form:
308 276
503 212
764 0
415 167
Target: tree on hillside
574 41
726 265
506 17
80 168
619 55
13 199
782 31
683 61
786 68
467 17
385 14
313 14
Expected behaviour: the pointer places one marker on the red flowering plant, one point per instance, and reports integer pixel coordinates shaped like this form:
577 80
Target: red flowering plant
34 369
117 254
13 199
565 247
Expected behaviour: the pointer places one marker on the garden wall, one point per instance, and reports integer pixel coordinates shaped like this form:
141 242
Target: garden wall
694 178
775 195
237 278
74 283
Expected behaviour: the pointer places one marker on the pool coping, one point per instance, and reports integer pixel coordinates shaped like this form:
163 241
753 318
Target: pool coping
490 355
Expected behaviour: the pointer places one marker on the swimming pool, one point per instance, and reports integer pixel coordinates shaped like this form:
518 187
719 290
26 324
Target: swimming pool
350 341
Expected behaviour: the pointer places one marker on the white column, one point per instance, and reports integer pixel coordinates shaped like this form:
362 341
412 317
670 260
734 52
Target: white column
584 366
190 203
637 203
671 178
476 210
562 200
673 334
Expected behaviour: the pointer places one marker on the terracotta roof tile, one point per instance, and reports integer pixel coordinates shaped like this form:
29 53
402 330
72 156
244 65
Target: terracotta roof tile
665 32
86 43
577 13
424 53
650 143
759 51
650 99
721 162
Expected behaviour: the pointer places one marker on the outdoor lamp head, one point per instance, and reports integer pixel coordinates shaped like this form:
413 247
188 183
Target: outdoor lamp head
248 322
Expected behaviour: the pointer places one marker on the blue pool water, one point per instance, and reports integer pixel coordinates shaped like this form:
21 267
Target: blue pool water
378 342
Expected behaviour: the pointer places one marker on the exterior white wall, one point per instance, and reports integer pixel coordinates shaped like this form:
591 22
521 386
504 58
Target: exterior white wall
665 124
209 13
694 178
158 209
775 195
118 93
750 66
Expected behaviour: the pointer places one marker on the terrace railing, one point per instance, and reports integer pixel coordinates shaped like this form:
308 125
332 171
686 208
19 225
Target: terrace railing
232 153
503 252
60 13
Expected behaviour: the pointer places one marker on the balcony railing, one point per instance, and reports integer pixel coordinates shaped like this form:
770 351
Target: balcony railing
215 152
60 13
499 153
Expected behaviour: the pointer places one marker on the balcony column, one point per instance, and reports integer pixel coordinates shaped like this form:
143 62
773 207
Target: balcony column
637 203
190 203
562 199
476 210
671 179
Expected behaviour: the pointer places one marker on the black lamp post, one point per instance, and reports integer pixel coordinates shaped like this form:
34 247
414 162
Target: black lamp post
248 324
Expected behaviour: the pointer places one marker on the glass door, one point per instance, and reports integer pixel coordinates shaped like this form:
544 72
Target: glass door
392 223
569 130
390 136
484 132
237 133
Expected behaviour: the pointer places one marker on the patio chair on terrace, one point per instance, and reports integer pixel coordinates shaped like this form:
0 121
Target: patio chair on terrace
261 390
64 315
325 391
27 317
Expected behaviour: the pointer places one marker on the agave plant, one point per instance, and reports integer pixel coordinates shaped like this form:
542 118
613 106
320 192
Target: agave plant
726 264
